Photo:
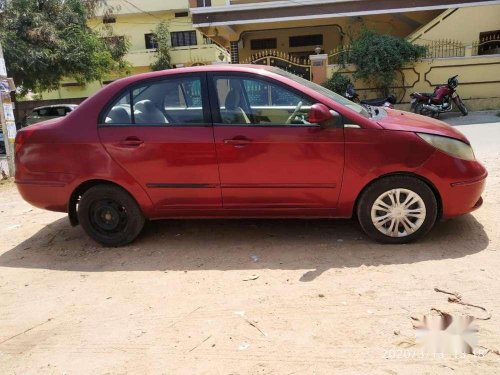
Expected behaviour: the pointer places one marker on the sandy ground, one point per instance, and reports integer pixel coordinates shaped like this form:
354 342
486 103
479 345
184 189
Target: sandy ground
242 297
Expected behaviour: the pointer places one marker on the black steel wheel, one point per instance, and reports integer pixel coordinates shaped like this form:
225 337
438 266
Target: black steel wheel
110 215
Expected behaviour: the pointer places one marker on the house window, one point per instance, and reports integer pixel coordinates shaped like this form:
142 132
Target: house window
150 40
109 19
269 43
183 38
306 40
489 43
204 3
181 14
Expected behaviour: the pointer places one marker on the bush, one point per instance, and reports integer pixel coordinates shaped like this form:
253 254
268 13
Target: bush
378 57
338 83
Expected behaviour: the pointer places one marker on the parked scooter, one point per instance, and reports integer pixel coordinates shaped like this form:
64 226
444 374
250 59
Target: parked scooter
440 101
352 95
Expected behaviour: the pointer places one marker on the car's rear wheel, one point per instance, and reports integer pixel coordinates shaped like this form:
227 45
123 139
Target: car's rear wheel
397 209
110 215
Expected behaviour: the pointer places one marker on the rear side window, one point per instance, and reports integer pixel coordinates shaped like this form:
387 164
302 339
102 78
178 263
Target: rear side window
60 111
120 113
175 101
50 112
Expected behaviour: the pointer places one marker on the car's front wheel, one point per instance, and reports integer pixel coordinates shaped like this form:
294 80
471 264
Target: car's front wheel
110 215
397 209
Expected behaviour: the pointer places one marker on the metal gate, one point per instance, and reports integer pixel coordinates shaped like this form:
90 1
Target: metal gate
282 60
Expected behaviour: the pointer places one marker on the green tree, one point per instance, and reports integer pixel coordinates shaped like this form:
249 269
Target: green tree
338 83
45 41
378 57
162 54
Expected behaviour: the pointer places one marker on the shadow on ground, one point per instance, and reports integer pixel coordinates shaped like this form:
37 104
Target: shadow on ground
188 245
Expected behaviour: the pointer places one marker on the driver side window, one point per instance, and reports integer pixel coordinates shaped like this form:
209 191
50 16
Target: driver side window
254 101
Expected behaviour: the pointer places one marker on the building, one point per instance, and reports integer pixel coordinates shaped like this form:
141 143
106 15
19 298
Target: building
463 37
136 20
297 27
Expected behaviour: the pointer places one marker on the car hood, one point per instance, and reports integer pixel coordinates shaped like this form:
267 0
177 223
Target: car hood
410 122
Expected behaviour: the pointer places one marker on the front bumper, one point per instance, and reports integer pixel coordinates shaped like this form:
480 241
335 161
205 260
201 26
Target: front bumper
460 183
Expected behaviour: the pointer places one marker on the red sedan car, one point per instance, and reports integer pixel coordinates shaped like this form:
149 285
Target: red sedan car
243 141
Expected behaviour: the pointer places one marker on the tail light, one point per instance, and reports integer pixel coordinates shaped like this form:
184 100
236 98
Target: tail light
21 138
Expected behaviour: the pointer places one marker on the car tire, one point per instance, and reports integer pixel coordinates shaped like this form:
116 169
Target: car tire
397 209
110 215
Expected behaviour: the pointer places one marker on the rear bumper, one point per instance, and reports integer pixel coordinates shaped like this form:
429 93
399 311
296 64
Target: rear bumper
50 195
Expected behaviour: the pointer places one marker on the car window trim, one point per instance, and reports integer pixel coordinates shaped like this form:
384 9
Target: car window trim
215 105
207 118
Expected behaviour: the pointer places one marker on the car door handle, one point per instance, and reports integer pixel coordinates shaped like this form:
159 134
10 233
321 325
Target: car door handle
131 142
238 142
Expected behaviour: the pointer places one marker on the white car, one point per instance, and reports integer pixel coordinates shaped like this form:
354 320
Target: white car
48 112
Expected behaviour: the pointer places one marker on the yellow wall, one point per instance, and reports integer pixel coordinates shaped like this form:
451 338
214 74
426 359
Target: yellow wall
462 25
395 24
479 80
136 6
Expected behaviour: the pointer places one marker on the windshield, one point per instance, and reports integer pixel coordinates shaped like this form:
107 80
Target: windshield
323 91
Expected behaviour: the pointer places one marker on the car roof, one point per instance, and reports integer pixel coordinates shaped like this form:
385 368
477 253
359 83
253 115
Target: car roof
249 68
223 67
72 106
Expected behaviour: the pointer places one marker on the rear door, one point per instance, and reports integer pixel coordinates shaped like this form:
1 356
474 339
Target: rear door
160 132
270 156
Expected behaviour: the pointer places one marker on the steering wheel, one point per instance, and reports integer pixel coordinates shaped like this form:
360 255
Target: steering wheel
295 113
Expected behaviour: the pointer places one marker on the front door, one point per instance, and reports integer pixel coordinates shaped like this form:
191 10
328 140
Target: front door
270 156
160 132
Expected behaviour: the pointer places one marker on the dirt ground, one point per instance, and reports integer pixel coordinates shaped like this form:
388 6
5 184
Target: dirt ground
243 296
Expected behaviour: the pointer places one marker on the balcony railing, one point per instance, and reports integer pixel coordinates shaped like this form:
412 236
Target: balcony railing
187 55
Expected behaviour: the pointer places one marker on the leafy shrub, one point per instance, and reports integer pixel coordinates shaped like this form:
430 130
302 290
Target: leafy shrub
378 57
338 83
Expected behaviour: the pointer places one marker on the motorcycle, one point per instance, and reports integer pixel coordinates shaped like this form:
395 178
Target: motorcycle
440 101
352 95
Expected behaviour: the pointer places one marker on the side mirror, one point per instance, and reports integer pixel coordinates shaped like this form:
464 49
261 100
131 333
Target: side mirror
322 115
319 113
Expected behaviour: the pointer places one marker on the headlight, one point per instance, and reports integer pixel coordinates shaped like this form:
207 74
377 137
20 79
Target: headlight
451 146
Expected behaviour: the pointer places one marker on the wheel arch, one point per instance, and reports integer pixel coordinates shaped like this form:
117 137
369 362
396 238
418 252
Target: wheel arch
81 189
407 174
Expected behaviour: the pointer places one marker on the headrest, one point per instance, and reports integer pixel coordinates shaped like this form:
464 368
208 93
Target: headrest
118 115
233 100
147 112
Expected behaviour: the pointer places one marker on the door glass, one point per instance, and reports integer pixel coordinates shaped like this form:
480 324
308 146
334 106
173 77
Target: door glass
119 113
59 111
254 101
175 101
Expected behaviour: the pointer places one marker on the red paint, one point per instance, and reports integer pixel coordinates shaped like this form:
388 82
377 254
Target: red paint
238 171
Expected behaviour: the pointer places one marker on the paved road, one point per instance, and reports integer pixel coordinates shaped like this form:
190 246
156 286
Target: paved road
480 117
